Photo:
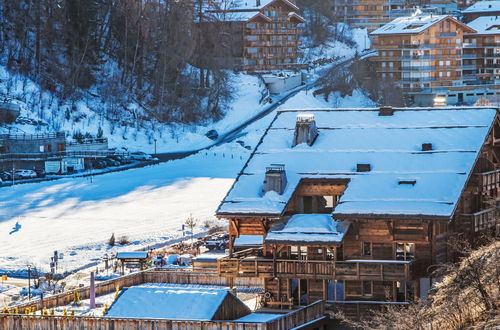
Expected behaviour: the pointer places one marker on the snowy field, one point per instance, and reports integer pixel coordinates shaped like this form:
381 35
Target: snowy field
77 216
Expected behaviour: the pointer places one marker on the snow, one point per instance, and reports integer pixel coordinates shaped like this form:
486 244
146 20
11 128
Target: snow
409 24
5 287
131 255
486 24
482 7
76 216
391 144
168 302
259 317
309 228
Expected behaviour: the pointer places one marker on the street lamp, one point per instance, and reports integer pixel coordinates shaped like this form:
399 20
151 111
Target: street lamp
29 282
155 147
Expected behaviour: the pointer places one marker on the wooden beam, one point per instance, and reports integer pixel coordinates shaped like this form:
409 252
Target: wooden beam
234 225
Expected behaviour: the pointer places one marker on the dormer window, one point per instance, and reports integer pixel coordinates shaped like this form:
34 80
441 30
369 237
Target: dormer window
426 146
363 167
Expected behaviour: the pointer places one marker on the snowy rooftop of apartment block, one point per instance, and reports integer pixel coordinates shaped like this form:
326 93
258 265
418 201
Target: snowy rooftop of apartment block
483 6
486 24
309 228
409 24
168 302
244 10
403 180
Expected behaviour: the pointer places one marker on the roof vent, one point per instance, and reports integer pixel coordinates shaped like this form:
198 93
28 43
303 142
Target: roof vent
275 179
305 129
257 3
386 111
363 167
408 182
426 146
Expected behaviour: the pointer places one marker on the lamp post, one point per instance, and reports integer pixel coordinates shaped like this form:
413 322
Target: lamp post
155 146
29 282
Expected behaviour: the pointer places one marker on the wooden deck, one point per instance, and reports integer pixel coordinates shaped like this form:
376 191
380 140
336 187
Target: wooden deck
481 220
486 181
308 269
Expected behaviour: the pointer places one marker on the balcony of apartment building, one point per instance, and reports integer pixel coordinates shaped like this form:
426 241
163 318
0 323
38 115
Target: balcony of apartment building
253 263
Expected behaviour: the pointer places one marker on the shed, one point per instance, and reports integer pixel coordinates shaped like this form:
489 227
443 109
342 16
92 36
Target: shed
178 302
132 259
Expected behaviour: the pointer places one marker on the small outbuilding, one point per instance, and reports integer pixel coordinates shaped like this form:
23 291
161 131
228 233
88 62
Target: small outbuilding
132 259
178 302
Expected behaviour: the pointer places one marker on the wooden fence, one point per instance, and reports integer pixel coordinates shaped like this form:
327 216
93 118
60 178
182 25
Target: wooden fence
298 317
147 276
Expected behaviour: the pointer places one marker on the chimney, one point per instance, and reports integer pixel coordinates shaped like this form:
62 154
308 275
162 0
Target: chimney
275 179
257 3
305 129
426 146
386 111
363 167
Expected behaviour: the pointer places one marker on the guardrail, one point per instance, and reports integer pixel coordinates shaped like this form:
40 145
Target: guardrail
481 220
390 270
59 155
32 136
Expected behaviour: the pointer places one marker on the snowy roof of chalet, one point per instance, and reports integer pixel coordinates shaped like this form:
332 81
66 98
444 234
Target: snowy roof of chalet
392 145
245 11
259 317
168 302
309 229
252 4
486 24
483 7
131 255
411 24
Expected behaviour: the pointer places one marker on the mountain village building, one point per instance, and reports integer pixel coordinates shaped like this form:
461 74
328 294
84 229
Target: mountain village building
357 205
481 8
262 34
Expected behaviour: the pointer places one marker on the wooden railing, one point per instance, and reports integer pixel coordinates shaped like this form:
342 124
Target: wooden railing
341 270
488 180
481 220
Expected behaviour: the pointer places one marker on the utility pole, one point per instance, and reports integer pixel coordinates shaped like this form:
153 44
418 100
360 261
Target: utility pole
29 282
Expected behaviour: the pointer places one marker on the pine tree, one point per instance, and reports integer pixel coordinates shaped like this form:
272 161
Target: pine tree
111 241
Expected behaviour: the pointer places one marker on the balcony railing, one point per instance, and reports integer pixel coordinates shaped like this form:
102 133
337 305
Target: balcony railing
487 181
481 220
375 270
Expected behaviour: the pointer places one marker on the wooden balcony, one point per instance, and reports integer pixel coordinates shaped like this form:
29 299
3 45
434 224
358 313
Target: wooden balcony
487 181
375 270
481 220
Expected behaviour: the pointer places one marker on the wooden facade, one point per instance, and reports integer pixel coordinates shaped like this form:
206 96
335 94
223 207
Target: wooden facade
263 37
385 259
425 60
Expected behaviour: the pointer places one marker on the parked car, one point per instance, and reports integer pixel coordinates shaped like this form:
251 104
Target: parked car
139 155
24 174
98 163
6 176
111 162
212 134
217 243
39 173
122 160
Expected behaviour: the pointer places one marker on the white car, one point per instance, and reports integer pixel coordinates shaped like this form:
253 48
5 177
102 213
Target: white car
25 174
139 155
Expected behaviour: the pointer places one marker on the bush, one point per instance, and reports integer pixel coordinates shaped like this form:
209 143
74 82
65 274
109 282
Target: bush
123 240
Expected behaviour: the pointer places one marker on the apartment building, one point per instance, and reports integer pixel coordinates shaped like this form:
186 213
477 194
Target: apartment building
371 15
481 54
355 205
421 54
263 34
481 8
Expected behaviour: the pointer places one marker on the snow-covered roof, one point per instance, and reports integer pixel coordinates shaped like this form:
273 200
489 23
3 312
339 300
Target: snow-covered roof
486 24
411 24
310 229
259 317
132 255
256 4
248 240
168 302
245 10
483 7
392 145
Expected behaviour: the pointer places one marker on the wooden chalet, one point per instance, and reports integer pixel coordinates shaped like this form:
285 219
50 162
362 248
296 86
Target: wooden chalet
260 34
359 205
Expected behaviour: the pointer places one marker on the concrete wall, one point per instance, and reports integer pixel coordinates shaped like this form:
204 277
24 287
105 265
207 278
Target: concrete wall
33 144
277 84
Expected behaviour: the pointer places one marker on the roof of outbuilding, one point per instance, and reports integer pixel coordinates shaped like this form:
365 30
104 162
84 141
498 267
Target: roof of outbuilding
392 145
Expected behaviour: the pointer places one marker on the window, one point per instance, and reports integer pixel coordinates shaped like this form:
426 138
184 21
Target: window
367 288
405 251
330 255
366 249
